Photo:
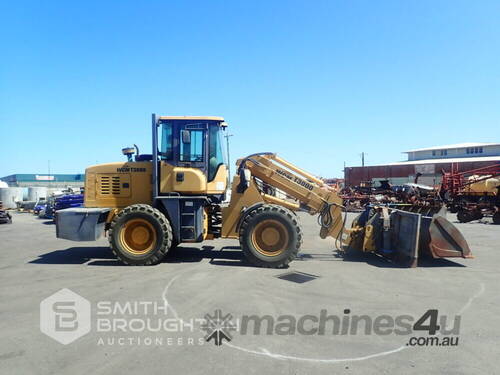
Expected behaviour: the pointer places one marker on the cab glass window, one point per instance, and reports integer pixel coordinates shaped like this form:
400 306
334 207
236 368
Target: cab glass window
192 151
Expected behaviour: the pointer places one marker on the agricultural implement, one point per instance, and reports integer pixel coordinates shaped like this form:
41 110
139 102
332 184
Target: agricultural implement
472 194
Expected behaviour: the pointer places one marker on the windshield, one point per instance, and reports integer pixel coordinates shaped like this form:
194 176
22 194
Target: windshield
215 154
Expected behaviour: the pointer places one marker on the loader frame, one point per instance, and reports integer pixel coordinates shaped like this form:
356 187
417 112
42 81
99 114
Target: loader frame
304 192
143 225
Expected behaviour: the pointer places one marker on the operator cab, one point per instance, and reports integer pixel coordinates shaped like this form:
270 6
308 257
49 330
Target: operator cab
190 154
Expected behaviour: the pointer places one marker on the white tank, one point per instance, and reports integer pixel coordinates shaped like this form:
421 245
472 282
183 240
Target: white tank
25 193
10 195
36 192
3 184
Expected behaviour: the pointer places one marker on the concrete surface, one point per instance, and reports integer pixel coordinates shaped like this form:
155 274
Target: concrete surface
34 265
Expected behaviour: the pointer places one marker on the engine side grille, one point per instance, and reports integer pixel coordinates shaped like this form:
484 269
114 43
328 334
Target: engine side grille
113 185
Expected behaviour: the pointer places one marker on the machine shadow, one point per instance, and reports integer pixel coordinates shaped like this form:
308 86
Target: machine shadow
225 256
378 261
76 255
103 256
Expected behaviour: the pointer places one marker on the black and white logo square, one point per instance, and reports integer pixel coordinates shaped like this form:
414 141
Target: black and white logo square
65 316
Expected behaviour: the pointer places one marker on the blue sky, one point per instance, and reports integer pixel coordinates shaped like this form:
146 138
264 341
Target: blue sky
318 82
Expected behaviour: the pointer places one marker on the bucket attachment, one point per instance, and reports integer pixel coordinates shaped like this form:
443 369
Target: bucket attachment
446 240
404 236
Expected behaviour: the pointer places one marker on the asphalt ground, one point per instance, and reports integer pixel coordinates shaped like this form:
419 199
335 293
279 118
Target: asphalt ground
213 275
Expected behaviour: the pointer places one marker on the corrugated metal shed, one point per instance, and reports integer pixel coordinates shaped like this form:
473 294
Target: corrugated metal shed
354 175
29 179
24 177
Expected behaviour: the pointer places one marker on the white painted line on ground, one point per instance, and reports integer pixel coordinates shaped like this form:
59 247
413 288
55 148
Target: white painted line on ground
267 353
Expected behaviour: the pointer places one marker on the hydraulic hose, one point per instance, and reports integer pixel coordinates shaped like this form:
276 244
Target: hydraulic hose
325 220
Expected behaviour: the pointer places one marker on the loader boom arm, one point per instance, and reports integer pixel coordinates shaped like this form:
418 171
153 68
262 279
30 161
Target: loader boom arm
309 193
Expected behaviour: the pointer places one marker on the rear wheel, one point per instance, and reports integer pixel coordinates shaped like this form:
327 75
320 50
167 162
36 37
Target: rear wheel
496 218
140 235
270 236
477 215
464 216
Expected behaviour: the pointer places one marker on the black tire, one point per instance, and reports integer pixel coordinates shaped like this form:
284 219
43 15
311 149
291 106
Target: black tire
174 248
284 223
150 218
477 215
496 218
464 216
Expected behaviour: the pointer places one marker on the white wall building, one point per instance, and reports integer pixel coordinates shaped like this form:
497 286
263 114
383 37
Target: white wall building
429 163
461 150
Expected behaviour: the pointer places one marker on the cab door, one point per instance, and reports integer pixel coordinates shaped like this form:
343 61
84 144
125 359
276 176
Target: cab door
184 162
193 146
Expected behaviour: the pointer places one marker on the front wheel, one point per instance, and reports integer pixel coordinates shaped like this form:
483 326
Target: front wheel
140 235
174 248
270 236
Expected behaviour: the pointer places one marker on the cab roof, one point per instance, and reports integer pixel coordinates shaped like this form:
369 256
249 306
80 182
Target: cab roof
209 118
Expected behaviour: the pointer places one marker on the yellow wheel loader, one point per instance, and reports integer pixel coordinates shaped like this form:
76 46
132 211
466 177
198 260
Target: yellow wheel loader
151 203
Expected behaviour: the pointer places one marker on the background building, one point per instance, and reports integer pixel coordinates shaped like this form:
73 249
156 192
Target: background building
50 181
429 162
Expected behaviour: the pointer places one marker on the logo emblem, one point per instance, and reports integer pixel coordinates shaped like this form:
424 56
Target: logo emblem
218 327
65 316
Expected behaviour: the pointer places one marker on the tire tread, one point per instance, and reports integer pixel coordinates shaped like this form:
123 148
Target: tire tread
164 223
290 216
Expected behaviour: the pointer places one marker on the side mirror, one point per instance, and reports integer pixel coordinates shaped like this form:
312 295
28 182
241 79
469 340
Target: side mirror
186 136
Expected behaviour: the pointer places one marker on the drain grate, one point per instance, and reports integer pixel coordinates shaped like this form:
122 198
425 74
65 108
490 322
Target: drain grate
297 277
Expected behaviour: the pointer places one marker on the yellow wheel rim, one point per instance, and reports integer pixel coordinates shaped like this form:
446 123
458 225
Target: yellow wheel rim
138 236
270 237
